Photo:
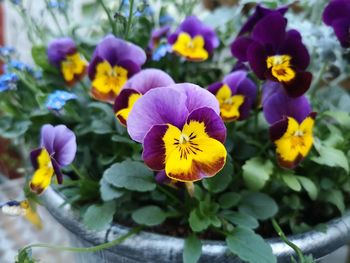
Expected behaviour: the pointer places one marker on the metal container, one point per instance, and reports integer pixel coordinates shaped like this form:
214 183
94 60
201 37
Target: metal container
148 247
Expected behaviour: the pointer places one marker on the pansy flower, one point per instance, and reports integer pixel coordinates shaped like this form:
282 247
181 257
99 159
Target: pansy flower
181 131
57 99
63 54
114 61
276 54
236 95
194 40
336 15
8 81
57 149
156 46
291 130
259 13
22 208
137 86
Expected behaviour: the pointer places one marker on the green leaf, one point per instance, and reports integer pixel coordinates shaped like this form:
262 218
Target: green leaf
25 256
249 246
228 200
192 249
309 187
17 129
343 118
131 175
109 192
98 217
39 55
241 219
198 222
258 205
336 198
149 215
256 172
291 181
119 138
332 157
221 181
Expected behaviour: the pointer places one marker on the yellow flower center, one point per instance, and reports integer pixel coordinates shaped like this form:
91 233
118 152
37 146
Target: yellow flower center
229 105
191 48
73 65
280 67
191 153
297 140
109 79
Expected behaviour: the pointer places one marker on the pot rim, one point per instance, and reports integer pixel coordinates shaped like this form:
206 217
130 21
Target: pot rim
312 242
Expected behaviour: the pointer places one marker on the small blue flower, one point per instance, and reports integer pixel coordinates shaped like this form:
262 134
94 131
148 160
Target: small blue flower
6 51
8 81
161 51
15 64
16 2
165 19
38 74
60 5
58 99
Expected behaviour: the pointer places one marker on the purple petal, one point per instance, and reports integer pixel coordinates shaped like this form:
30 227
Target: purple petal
269 88
281 105
278 129
162 178
34 157
299 85
117 51
257 59
271 30
296 49
214 126
342 31
234 79
157 34
156 107
153 148
57 170
260 12
122 102
148 79
336 9
47 138
197 97
239 47
64 145
214 88
58 49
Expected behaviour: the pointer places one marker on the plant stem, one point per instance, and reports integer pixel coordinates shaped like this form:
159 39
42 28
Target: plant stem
55 19
128 25
315 87
110 18
76 171
168 194
285 240
88 249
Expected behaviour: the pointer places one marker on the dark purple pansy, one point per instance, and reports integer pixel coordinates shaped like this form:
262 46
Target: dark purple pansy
259 13
276 54
337 15
137 86
63 54
113 62
194 40
57 149
291 126
236 95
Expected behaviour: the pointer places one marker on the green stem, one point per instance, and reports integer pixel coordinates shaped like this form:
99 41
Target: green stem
169 194
110 18
76 171
131 7
88 249
55 19
315 87
285 240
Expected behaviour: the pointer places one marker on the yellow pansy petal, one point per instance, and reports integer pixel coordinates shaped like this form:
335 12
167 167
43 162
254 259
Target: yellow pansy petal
42 176
223 93
123 114
191 48
73 65
31 215
281 67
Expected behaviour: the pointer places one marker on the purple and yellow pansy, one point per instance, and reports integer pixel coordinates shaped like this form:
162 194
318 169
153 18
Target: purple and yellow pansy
276 54
236 95
57 149
336 15
181 131
193 40
63 54
291 130
137 86
114 61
